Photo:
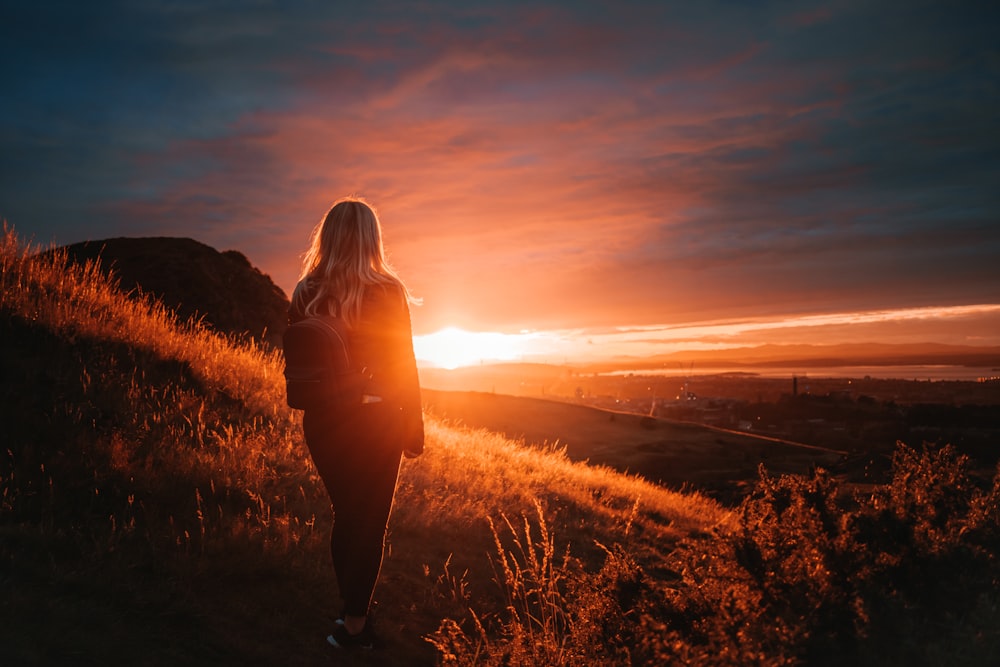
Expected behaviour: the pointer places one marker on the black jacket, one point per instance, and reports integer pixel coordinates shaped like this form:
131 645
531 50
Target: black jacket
382 343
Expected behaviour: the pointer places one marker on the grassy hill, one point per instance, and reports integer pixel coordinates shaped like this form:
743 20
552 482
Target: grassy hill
157 506
222 289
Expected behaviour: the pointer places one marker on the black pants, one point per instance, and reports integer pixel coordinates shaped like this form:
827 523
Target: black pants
357 455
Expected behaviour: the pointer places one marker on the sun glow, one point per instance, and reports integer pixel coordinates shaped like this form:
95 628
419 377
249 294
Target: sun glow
962 325
452 347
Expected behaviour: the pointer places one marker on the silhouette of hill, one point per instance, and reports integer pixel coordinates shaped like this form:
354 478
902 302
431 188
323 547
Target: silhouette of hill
195 280
845 354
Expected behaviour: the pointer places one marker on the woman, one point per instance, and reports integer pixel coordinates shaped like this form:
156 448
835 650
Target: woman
357 448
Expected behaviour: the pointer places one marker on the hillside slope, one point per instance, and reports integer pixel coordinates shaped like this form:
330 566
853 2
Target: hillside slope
718 462
158 506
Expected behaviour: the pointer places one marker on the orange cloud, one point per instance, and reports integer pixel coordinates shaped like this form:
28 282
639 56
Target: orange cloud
569 167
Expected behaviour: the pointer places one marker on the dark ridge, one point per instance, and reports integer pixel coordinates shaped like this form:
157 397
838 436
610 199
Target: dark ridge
223 289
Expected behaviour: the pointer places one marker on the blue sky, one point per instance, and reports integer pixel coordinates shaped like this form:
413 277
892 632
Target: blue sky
572 166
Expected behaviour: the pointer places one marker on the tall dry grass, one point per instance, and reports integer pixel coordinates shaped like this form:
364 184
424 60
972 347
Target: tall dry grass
169 414
74 300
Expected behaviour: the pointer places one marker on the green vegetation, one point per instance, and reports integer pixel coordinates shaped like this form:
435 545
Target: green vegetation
158 507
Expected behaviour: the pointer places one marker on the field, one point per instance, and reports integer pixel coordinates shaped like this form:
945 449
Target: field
718 462
157 506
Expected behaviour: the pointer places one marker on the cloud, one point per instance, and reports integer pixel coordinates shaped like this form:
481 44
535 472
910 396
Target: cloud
535 164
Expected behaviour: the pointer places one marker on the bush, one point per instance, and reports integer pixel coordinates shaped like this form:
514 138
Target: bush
908 575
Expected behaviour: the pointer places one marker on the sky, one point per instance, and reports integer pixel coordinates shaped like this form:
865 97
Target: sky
680 173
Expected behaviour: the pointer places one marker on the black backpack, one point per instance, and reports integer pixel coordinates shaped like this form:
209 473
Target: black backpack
319 372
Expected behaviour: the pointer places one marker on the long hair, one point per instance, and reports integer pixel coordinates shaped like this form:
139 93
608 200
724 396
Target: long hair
345 256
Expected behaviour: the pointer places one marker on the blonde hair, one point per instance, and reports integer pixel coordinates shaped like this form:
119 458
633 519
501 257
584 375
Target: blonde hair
345 256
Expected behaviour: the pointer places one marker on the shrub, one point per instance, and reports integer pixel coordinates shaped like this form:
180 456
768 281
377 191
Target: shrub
906 575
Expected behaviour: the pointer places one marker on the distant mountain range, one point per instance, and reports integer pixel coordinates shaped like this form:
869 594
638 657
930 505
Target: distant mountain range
222 288
843 354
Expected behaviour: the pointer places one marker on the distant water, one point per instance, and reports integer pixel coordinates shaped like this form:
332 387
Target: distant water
911 372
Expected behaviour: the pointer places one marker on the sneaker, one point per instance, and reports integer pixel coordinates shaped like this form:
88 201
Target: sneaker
341 638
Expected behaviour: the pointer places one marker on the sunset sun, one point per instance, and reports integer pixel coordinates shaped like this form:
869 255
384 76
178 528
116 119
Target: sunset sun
452 347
